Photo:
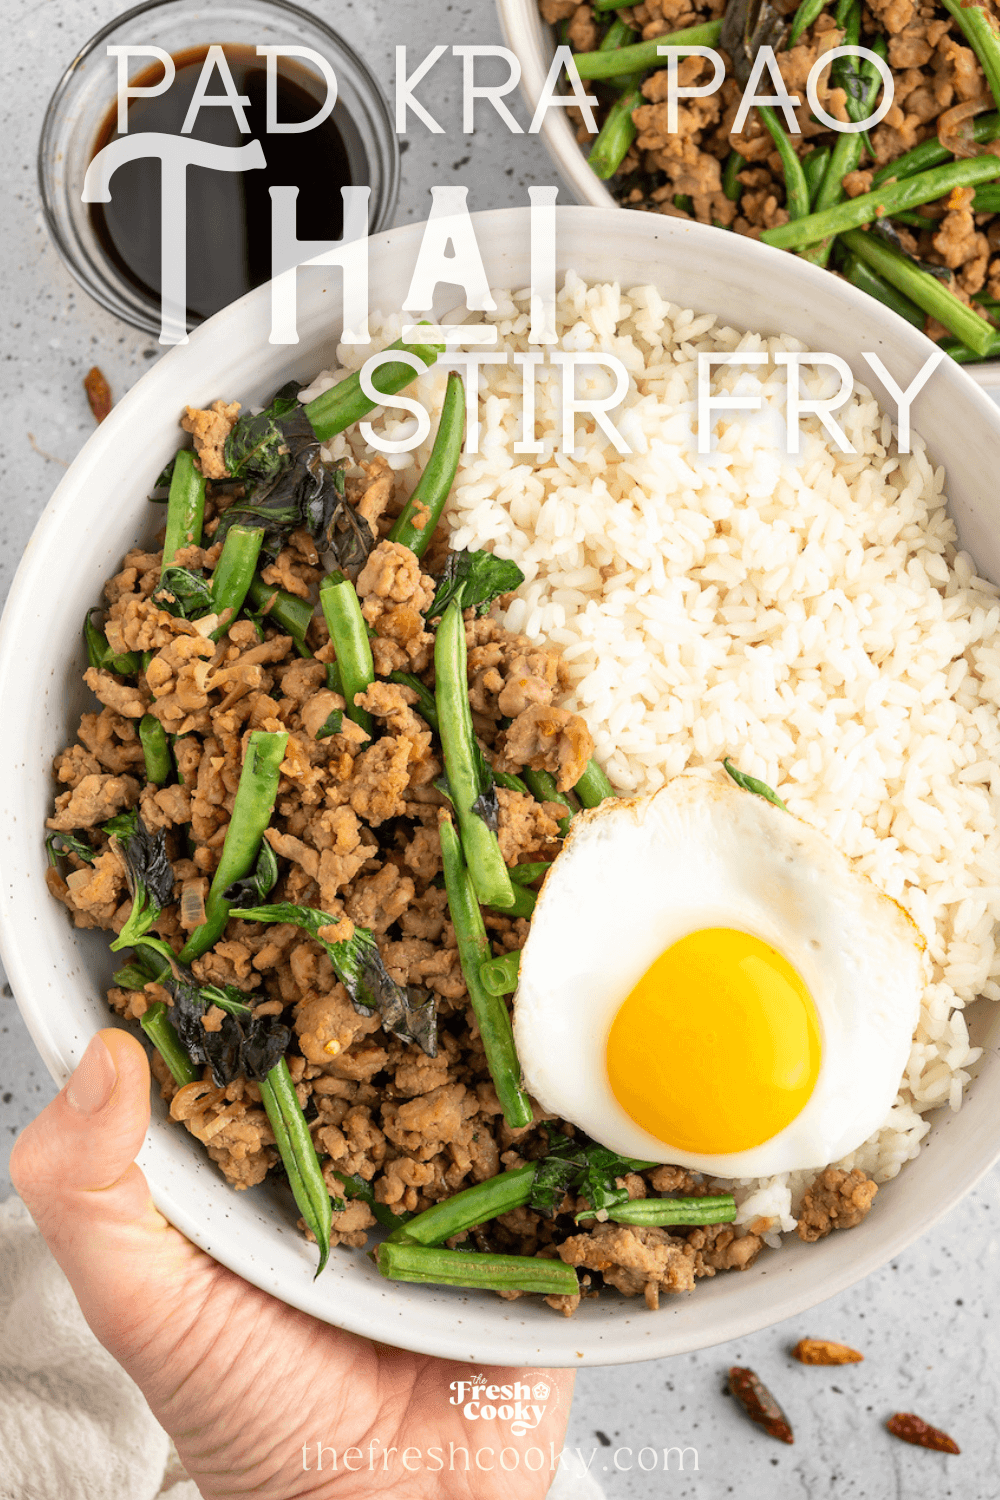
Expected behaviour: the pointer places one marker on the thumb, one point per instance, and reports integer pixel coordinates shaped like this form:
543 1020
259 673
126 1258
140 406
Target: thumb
74 1167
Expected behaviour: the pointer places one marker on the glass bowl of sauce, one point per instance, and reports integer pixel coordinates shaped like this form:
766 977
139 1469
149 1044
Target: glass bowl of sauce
114 249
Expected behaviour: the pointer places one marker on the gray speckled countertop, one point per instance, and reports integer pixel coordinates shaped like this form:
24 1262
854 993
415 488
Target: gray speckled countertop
927 1323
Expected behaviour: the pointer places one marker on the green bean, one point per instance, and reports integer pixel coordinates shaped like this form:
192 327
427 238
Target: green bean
542 786
294 615
806 14
866 280
796 190
185 507
731 185
463 765
475 1205
156 751
159 1028
511 782
657 1211
100 654
298 1155
523 904
426 706
642 56
489 1010
932 154
841 13
684 202
593 787
965 356
605 5
980 33
251 814
618 34
510 1273
499 975
814 166
342 611
844 158
528 873
987 199
130 977
883 201
434 484
234 573
923 289
917 221
345 403
615 137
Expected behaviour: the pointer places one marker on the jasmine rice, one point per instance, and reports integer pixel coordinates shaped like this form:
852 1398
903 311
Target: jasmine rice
808 615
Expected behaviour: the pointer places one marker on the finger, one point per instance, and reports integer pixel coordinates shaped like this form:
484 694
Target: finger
74 1167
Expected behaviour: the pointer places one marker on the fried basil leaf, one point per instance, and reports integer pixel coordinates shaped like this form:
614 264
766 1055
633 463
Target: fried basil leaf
68 843
405 1012
145 856
582 1167
748 25
474 579
184 593
148 873
257 445
751 784
258 885
355 1186
165 476
242 1046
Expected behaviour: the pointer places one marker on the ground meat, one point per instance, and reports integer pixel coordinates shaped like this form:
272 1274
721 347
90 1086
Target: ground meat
835 1200
355 831
209 430
548 739
94 800
633 1259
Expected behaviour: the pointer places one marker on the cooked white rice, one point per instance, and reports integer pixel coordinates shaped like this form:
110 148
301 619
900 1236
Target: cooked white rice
807 615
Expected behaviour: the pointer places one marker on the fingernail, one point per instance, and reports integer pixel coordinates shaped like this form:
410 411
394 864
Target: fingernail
90 1087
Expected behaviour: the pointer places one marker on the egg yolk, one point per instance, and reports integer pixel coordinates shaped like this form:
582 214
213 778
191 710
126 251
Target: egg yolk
717 1047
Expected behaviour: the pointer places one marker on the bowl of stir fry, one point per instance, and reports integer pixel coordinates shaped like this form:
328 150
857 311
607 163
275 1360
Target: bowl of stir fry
905 211
307 875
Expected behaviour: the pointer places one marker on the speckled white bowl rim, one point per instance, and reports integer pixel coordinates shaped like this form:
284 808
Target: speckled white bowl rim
532 42
59 974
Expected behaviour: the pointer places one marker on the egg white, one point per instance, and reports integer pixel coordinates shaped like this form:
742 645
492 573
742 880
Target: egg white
635 876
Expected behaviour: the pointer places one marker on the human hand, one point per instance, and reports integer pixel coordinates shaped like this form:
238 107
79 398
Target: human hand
245 1385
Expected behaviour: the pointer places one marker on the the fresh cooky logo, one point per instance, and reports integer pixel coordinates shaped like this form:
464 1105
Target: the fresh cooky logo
521 1405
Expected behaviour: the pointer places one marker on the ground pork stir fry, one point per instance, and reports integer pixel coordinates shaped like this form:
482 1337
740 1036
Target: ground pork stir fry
707 169
343 1018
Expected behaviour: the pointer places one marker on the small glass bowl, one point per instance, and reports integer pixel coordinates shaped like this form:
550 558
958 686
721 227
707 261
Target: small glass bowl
86 92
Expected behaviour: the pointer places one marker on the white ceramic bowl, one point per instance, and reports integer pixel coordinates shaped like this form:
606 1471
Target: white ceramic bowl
59 974
533 43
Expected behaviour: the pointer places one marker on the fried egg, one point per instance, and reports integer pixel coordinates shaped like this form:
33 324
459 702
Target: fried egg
708 981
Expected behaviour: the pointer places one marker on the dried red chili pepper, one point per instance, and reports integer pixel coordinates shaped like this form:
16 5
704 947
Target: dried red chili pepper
98 393
913 1429
759 1405
825 1352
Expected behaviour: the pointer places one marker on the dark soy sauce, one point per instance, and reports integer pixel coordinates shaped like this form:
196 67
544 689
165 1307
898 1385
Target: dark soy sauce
228 213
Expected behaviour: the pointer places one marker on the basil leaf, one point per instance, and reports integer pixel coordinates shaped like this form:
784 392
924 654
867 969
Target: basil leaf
258 885
256 447
184 593
474 580
751 784
407 1013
